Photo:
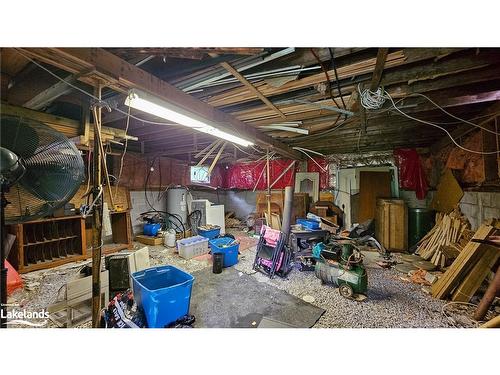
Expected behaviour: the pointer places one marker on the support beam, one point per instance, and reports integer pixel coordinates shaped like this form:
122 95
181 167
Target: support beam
465 129
252 88
123 76
379 68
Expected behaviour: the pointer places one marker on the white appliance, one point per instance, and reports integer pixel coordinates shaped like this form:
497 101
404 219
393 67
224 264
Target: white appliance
210 213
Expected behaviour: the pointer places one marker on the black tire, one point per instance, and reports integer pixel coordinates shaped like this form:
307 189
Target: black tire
346 291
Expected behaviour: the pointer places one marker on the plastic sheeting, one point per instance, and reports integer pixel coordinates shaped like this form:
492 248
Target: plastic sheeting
246 175
411 172
322 168
14 280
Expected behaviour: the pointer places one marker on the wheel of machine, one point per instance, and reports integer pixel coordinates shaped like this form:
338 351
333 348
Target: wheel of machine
346 291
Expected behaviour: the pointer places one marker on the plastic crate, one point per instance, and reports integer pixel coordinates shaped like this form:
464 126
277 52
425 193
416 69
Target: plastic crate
192 247
210 234
308 224
230 252
164 293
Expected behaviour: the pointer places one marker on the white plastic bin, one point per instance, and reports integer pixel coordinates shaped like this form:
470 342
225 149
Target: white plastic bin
192 247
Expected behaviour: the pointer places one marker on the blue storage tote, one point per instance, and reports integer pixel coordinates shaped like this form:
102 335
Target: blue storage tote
308 224
230 252
164 293
210 234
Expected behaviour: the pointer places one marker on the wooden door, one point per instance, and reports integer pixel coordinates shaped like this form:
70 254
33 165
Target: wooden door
372 185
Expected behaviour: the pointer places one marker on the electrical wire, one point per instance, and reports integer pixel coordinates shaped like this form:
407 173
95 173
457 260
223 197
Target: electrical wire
371 99
123 154
89 160
332 58
310 157
100 101
441 128
452 115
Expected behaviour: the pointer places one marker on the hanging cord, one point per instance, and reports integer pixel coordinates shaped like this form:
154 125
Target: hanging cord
329 85
304 151
89 160
332 58
123 154
452 115
441 128
100 101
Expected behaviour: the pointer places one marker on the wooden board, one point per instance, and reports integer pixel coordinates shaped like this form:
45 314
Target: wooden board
121 197
391 224
372 185
476 276
448 193
462 264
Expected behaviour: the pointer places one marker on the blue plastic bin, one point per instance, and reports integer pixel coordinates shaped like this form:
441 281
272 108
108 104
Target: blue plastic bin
164 293
308 224
210 234
230 253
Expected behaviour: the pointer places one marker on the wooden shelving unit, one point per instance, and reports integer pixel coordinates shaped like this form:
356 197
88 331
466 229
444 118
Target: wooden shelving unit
48 243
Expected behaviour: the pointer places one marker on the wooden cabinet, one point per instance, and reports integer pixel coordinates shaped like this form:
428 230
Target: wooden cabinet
391 224
48 243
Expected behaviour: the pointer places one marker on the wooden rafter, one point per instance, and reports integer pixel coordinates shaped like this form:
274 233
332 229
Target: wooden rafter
379 68
252 88
122 76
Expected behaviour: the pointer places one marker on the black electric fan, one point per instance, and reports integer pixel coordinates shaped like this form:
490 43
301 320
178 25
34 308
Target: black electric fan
40 170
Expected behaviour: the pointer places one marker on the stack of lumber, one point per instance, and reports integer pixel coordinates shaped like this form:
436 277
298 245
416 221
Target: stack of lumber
446 239
465 275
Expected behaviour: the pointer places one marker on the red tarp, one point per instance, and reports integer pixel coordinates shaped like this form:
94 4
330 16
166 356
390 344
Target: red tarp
245 176
411 172
324 180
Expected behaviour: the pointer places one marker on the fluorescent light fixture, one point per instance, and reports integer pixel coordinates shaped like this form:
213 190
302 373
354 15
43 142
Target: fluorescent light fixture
148 103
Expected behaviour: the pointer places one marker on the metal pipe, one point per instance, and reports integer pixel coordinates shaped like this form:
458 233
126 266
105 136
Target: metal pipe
271 57
257 76
491 293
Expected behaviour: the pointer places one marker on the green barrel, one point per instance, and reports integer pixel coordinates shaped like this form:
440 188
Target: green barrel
420 221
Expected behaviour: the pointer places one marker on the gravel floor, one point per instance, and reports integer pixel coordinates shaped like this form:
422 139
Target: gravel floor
391 303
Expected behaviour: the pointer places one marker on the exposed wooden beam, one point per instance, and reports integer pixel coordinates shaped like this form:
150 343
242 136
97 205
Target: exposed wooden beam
379 68
465 129
252 88
123 76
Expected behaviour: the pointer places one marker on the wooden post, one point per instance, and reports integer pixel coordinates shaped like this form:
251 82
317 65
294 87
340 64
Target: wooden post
268 195
489 296
97 196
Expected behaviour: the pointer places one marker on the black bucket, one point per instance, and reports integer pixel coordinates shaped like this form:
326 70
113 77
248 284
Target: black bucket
217 262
